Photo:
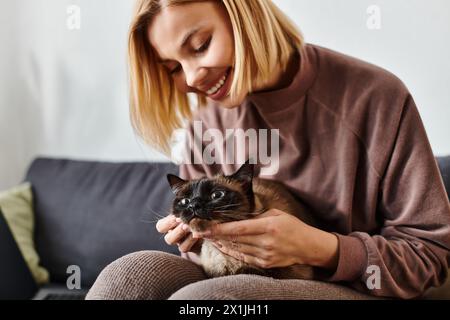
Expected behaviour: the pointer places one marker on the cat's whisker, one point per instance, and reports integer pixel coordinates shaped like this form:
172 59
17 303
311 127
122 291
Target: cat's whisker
226 210
234 212
157 214
148 221
152 210
228 206
153 214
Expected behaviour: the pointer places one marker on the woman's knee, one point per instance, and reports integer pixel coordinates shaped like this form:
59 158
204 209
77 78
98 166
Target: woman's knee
255 287
222 288
140 275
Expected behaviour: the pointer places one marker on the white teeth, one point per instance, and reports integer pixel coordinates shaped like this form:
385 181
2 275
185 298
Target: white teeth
219 85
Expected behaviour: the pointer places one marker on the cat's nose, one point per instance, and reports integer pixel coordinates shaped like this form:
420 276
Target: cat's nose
194 205
197 208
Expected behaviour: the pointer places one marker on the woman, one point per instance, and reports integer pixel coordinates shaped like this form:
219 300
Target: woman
352 147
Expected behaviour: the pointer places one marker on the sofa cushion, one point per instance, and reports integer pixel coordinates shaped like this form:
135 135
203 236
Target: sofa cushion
90 213
17 207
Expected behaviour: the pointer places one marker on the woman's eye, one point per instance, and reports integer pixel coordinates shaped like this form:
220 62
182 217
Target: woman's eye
176 69
204 46
217 195
184 201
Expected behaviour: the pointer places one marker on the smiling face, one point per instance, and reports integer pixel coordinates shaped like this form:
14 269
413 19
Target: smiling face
195 43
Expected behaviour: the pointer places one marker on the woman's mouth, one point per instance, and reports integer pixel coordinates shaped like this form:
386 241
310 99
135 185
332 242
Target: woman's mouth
220 89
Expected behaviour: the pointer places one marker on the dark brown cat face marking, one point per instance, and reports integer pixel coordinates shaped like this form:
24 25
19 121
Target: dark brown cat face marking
216 200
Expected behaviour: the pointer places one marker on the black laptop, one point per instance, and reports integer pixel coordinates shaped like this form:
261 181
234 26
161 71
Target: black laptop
16 280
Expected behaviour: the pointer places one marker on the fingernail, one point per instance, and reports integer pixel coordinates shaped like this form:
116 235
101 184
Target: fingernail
185 227
178 219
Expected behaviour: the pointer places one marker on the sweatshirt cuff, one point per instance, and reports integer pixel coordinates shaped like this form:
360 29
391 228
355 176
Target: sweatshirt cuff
352 260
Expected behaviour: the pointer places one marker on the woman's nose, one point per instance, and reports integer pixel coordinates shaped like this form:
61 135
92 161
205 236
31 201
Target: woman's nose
194 76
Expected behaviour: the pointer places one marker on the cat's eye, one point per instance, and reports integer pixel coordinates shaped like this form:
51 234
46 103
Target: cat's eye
184 201
217 195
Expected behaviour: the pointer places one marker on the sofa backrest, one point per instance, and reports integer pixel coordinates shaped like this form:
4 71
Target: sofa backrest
91 213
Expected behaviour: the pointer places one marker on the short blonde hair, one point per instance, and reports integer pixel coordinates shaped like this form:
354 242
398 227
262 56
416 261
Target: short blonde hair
264 37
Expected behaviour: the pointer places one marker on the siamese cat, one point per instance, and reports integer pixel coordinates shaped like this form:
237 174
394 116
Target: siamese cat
204 202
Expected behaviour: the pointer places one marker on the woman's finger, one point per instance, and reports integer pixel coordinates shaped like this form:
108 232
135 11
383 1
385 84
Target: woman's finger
175 235
165 224
240 247
187 243
243 227
252 260
255 240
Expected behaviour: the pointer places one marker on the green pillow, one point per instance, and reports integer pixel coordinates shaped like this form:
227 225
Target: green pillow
17 207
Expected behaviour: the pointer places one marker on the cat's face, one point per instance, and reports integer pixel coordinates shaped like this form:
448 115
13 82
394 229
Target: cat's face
203 202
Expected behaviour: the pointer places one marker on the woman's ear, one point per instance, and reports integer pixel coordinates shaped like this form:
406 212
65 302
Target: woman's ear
175 182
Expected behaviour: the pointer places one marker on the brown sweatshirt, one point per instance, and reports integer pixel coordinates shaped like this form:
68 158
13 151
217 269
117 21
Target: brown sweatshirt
354 149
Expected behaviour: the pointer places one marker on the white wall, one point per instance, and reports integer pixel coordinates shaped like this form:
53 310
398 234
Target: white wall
64 92
413 43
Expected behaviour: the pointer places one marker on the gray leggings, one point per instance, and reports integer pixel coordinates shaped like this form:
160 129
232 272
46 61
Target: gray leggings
157 275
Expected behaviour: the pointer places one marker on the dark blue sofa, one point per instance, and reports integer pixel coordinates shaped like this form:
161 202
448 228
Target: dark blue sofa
91 213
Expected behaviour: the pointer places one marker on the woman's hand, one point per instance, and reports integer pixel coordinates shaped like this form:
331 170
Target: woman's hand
178 233
275 239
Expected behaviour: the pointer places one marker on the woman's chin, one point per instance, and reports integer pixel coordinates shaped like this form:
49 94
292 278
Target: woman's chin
229 103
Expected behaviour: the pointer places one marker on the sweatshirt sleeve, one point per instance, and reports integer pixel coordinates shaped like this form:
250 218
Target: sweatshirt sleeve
410 253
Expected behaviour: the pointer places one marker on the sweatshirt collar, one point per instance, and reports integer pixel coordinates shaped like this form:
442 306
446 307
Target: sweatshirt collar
275 100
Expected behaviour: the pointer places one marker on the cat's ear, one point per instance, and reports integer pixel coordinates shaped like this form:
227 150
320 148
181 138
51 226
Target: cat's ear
244 173
245 177
175 182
